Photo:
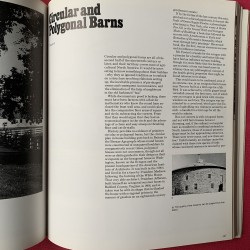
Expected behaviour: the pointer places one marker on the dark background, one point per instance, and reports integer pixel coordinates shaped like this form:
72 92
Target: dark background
237 244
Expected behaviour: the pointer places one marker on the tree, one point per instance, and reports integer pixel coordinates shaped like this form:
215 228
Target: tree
21 91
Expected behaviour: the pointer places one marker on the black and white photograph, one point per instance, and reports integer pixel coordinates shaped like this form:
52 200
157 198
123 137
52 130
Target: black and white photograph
198 173
21 101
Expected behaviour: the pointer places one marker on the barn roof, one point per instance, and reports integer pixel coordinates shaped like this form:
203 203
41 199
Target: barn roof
200 164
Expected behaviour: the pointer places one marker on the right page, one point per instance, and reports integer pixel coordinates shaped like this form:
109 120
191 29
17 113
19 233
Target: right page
241 121
140 123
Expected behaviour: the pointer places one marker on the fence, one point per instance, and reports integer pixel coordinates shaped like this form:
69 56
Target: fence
22 138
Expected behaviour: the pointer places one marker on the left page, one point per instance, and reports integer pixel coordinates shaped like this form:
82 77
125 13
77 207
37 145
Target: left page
22 123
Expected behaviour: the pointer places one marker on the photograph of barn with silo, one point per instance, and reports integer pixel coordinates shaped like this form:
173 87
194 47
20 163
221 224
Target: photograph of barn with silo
198 174
21 101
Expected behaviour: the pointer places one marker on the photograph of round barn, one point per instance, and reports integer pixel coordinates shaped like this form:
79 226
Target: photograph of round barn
198 174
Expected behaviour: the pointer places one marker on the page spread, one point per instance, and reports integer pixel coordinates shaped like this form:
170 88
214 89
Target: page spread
146 111
22 123
141 123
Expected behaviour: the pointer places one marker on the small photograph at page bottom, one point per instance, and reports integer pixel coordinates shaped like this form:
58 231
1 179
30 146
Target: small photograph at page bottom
198 174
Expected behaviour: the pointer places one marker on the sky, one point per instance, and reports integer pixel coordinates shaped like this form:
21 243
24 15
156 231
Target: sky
15 45
180 161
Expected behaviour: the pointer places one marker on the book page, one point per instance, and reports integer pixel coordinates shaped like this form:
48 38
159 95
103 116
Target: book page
141 123
242 91
22 123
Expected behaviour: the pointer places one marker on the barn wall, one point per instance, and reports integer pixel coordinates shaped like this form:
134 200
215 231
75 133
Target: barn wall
198 180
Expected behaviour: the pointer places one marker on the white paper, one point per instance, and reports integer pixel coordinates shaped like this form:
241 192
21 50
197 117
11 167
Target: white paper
79 215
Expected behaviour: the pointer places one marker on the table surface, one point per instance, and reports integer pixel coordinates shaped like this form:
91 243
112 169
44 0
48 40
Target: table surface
237 244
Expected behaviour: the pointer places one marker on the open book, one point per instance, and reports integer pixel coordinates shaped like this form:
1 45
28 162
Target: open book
141 123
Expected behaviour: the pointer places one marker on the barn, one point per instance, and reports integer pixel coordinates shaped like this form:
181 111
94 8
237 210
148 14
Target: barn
200 177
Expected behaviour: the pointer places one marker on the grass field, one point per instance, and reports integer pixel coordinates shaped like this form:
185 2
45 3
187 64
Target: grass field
20 180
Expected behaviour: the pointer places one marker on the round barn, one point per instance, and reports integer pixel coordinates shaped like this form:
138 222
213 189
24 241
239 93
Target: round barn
200 177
